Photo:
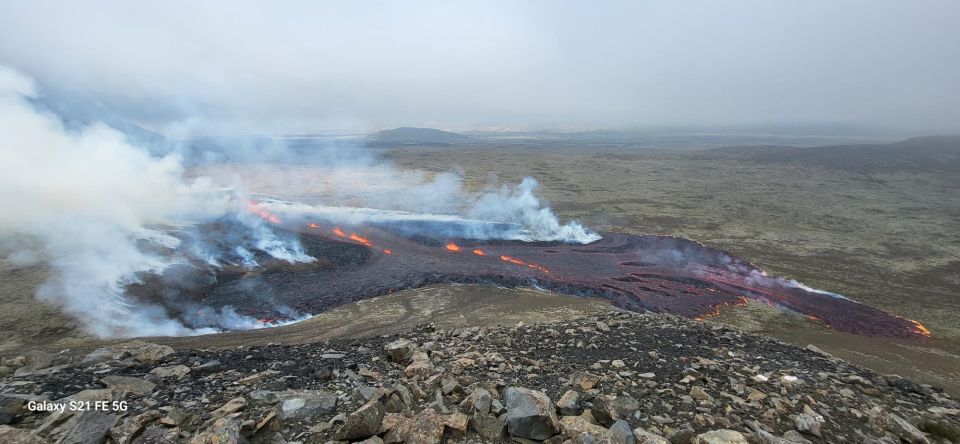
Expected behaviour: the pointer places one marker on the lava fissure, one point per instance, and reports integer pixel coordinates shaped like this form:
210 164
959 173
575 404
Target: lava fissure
641 273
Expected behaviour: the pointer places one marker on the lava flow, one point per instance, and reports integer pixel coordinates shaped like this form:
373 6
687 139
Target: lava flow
639 273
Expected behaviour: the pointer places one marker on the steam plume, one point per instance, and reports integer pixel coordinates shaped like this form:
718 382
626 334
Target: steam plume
101 213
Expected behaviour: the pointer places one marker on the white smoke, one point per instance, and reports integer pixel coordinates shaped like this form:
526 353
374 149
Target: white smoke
519 205
510 213
100 212
104 213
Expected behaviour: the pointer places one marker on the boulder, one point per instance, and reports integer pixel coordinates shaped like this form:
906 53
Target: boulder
223 431
13 435
478 401
90 426
645 437
722 436
569 403
608 409
135 386
488 426
401 350
132 427
362 423
620 433
36 360
171 371
425 428
232 406
530 414
576 426
420 365
306 404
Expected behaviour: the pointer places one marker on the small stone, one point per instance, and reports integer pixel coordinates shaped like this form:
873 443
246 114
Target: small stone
586 381
698 393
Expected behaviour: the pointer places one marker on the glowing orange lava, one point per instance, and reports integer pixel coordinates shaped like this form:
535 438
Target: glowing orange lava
514 260
339 232
387 251
919 328
313 225
479 252
254 208
357 238
453 247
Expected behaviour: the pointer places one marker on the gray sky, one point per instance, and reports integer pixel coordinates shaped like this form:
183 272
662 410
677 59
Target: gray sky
240 67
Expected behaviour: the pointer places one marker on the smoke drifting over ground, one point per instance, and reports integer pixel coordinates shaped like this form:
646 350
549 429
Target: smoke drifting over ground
105 214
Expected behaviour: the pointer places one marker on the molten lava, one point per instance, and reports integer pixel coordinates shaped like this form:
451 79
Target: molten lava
637 273
357 238
255 208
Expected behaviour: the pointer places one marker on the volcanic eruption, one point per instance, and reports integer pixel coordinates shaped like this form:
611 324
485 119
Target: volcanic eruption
639 273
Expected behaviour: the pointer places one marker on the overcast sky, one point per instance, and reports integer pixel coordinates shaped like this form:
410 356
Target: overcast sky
284 67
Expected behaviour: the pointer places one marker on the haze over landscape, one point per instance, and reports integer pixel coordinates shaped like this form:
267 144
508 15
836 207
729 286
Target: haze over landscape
242 222
185 68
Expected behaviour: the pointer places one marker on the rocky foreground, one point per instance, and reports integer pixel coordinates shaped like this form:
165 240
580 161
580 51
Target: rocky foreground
617 378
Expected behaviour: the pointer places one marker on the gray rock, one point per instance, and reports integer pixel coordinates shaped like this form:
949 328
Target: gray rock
530 414
36 360
478 401
808 424
127 384
489 427
425 428
13 435
400 351
171 371
159 435
90 427
132 427
362 423
306 405
207 368
722 436
645 437
620 433
223 431
608 409
906 431
569 403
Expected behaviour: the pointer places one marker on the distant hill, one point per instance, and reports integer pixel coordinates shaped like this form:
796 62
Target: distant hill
416 135
931 153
